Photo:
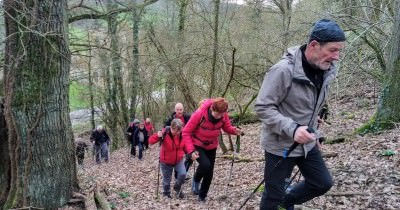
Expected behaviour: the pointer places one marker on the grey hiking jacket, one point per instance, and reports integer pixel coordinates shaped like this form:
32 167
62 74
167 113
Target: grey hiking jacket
287 98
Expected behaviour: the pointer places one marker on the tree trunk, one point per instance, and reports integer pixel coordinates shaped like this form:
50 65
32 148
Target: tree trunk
134 73
388 113
41 147
4 156
91 92
114 83
285 6
215 48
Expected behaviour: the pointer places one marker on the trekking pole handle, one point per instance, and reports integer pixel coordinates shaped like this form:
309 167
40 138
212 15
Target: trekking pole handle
286 152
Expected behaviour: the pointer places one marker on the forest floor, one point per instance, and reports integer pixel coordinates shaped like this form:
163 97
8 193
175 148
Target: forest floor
365 172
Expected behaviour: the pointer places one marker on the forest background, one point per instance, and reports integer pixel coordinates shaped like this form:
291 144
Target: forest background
135 59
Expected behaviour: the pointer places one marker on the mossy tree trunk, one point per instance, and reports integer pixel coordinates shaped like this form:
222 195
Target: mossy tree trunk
4 156
134 76
117 111
388 114
40 140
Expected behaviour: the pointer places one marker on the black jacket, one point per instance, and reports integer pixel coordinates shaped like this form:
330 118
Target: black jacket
99 137
145 135
186 117
131 129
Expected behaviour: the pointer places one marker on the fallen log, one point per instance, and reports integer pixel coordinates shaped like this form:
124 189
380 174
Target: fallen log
90 203
76 201
101 200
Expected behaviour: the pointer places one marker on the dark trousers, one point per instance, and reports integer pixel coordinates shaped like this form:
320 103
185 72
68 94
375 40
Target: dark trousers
317 180
141 147
101 152
133 150
80 154
205 170
146 143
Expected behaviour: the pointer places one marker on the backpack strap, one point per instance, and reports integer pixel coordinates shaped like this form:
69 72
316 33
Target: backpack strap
167 131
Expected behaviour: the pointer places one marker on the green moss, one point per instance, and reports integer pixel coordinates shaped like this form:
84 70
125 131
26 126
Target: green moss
373 126
12 200
248 117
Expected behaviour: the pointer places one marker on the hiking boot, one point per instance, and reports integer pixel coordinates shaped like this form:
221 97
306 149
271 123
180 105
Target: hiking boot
167 195
201 199
179 193
195 187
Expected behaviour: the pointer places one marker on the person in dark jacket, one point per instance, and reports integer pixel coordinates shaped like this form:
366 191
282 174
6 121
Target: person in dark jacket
292 94
81 147
172 152
101 142
140 137
203 130
178 114
130 131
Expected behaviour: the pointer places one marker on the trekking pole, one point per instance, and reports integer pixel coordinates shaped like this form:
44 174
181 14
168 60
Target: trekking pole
158 179
231 170
187 169
161 139
286 154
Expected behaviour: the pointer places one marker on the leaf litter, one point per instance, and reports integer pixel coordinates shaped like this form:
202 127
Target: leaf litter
364 178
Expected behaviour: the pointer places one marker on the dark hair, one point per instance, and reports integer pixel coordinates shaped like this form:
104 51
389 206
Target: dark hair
219 105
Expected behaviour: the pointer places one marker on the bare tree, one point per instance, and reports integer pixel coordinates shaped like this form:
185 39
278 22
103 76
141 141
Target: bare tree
134 72
285 8
40 141
215 47
388 113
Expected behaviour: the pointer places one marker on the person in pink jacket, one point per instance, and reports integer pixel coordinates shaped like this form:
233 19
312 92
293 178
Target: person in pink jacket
203 130
172 153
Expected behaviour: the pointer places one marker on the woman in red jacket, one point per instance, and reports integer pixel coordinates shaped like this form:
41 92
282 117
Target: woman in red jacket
172 152
203 130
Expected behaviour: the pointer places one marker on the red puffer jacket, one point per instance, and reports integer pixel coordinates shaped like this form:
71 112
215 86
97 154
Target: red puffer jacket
173 148
203 133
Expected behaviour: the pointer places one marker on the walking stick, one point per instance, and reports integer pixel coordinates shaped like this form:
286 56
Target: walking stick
161 139
285 155
158 179
231 170
188 159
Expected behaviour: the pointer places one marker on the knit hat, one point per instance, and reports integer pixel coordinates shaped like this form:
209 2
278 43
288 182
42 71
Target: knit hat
327 31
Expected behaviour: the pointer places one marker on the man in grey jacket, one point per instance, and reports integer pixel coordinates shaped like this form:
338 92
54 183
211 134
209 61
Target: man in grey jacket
291 96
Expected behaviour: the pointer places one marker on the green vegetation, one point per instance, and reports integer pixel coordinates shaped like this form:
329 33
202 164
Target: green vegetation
81 127
78 96
246 118
373 126
387 152
261 189
124 194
